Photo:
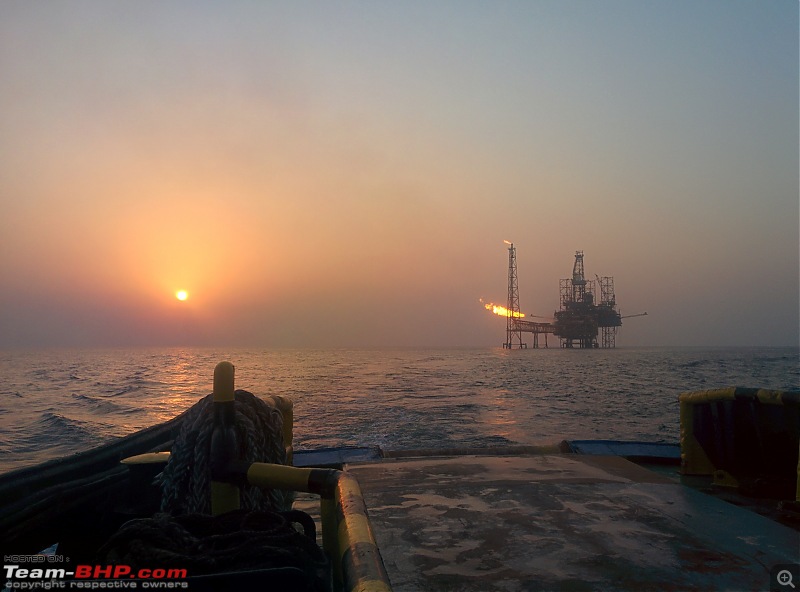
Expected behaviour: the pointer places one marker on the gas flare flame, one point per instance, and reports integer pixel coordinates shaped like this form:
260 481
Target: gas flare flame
502 311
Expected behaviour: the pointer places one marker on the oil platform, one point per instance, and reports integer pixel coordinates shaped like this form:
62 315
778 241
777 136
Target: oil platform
582 315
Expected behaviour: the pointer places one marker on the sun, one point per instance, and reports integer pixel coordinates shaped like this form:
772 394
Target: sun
181 295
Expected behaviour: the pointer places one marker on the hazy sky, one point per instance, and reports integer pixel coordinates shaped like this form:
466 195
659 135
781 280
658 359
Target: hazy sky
345 173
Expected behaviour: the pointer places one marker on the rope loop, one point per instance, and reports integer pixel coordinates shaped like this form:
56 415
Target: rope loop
186 480
202 544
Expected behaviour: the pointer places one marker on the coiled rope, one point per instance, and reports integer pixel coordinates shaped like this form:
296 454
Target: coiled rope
186 480
265 534
238 540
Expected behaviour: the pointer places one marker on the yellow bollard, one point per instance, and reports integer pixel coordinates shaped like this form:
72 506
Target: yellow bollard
224 496
223 382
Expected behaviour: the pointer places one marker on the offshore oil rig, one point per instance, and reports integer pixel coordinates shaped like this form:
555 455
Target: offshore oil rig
582 316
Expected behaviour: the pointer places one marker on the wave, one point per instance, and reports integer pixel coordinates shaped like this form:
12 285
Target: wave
123 391
69 433
778 359
98 405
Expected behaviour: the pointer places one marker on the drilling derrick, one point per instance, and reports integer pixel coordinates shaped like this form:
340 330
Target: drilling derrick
574 323
580 317
578 280
513 330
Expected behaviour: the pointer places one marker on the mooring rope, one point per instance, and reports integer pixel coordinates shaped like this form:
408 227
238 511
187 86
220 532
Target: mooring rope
265 534
186 480
237 540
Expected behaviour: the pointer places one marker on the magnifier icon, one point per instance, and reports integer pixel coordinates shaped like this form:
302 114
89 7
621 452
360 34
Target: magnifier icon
785 578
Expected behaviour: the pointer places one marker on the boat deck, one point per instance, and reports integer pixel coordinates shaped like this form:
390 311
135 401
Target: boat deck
561 522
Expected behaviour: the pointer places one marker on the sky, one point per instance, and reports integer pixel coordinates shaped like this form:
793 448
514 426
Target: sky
344 174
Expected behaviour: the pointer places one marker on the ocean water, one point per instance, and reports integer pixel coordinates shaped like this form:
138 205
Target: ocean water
57 402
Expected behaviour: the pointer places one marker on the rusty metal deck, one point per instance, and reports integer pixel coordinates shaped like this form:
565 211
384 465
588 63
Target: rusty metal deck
561 522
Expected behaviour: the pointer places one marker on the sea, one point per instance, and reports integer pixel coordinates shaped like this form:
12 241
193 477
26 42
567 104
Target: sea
56 402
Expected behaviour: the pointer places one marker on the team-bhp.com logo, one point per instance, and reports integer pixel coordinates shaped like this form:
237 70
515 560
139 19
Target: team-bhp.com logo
91 577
